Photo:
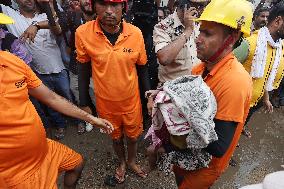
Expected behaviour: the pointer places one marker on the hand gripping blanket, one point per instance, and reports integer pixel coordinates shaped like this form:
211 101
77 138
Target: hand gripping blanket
184 106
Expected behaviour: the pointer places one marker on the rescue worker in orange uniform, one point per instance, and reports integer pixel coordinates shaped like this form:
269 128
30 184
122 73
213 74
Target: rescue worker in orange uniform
27 158
222 24
115 53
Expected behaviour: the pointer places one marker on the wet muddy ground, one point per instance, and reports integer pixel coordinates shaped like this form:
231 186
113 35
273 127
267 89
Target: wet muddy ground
256 157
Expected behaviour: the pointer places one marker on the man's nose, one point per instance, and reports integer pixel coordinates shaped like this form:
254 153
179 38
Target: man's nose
109 9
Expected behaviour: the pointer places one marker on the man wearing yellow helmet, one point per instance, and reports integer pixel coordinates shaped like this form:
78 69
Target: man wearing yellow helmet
262 56
222 24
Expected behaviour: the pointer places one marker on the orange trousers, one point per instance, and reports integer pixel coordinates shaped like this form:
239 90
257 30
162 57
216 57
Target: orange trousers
199 179
59 158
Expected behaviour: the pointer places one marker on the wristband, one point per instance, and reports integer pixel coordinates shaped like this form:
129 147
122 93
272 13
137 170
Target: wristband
35 23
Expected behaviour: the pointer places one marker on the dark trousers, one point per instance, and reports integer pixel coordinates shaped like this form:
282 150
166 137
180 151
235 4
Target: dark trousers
252 110
60 84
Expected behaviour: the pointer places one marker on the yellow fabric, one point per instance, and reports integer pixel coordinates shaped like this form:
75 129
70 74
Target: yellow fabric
233 13
259 83
4 19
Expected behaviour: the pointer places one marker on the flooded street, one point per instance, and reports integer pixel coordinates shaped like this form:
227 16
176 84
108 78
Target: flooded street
256 157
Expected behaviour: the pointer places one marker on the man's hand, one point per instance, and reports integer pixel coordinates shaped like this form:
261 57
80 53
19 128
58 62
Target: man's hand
103 124
29 34
87 109
189 16
150 104
268 106
266 102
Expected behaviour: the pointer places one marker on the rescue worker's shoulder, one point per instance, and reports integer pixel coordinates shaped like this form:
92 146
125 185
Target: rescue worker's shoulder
9 59
85 28
238 76
133 30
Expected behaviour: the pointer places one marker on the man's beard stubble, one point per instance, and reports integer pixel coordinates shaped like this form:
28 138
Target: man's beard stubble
87 12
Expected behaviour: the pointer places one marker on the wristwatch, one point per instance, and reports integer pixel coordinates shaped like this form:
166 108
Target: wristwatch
35 23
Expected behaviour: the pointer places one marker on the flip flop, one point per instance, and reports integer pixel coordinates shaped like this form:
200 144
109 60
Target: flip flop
59 133
81 128
120 175
138 171
110 180
246 132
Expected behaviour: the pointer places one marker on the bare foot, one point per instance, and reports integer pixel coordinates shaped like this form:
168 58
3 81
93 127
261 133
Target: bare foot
120 173
137 170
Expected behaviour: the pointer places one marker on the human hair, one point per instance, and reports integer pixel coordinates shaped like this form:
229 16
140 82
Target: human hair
161 8
259 10
275 11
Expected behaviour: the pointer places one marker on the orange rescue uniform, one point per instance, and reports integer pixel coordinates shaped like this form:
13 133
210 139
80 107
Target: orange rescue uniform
114 74
232 88
27 158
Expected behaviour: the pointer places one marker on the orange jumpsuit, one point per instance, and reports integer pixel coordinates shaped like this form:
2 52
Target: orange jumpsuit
114 74
232 88
27 158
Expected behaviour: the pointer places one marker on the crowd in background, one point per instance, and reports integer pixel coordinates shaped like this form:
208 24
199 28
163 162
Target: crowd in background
48 32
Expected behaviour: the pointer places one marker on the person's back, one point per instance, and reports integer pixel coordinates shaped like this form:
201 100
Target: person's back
27 136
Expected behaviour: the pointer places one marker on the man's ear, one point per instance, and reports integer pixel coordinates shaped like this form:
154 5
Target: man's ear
278 21
236 35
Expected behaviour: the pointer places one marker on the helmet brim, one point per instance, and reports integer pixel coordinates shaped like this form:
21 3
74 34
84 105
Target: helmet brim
4 19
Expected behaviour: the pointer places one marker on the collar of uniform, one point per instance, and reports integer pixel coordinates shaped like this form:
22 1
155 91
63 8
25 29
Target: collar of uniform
177 21
2 63
221 63
126 31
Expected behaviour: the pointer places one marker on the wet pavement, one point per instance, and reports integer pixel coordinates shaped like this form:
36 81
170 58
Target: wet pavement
256 157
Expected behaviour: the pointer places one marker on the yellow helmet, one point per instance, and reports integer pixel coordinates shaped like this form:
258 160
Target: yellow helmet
236 14
4 19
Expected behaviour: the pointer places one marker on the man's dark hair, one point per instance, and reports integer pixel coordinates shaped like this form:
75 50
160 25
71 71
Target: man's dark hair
161 8
259 10
275 11
6 2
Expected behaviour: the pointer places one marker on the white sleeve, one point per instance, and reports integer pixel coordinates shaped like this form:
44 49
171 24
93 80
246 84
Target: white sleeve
8 10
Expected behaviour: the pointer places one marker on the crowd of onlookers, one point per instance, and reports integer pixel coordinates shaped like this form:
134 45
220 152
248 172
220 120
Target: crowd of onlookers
73 13
46 36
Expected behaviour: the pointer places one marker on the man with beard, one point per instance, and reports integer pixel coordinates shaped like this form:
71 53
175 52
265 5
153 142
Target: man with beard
260 17
112 48
76 13
222 73
27 158
262 56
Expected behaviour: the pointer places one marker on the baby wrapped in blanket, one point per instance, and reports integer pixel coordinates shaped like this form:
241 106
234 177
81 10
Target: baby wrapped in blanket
182 124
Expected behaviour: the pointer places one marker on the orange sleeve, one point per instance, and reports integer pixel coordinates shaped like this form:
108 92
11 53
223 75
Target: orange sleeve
2 183
142 60
82 55
233 100
32 80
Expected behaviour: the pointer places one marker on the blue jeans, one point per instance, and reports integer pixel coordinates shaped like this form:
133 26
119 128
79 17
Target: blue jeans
60 84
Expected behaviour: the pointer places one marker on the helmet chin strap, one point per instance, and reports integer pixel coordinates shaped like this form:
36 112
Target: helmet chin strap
216 55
